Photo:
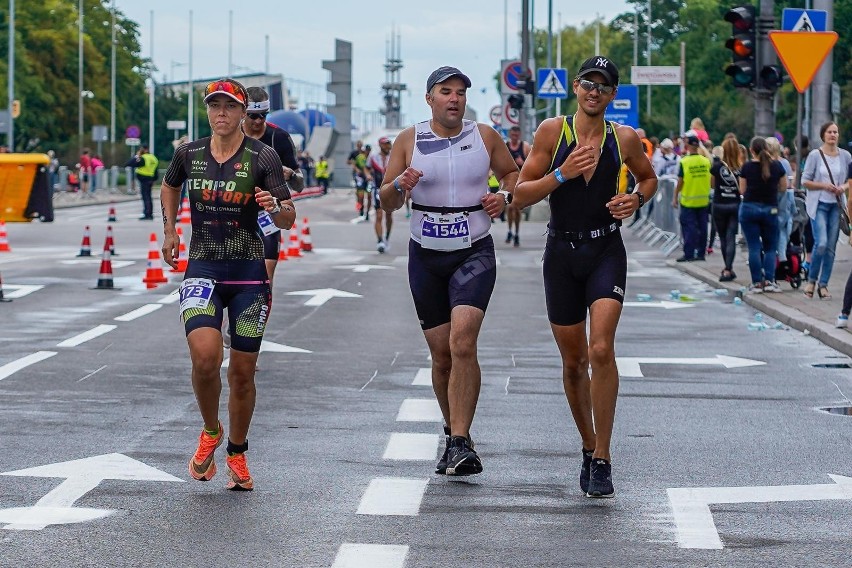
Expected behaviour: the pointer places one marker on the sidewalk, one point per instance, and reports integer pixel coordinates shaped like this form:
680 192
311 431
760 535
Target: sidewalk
791 307
63 200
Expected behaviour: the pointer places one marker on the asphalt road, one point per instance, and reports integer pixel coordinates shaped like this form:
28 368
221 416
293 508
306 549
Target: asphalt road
345 437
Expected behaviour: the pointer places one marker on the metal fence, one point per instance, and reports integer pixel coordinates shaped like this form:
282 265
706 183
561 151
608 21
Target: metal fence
107 179
659 225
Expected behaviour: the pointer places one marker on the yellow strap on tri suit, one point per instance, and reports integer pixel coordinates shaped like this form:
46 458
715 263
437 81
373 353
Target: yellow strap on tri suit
568 134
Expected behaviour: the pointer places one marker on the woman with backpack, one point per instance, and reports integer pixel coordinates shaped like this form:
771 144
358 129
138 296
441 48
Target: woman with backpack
726 203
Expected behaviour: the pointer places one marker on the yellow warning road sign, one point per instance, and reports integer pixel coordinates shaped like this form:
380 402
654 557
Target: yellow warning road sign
802 53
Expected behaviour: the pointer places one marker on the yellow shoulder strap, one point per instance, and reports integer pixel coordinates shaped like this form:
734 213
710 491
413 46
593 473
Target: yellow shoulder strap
567 134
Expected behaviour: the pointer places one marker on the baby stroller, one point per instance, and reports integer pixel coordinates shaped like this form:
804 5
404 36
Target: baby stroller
792 270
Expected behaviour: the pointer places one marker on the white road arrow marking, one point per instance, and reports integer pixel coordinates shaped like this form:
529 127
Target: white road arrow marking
20 290
271 347
81 476
322 295
691 506
365 267
630 366
662 304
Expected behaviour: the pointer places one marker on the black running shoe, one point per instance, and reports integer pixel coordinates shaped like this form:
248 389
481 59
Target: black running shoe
586 470
441 466
461 458
600 482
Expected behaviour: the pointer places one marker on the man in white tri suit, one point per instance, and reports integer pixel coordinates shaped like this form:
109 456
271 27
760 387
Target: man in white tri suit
444 163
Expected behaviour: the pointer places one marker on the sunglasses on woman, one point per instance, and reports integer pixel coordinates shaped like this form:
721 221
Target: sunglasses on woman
228 87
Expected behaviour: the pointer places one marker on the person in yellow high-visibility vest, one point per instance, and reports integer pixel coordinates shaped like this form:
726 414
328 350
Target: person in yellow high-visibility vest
146 165
693 197
322 174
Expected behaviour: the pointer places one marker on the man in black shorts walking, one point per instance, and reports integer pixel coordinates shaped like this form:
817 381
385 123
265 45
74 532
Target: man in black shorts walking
576 160
451 266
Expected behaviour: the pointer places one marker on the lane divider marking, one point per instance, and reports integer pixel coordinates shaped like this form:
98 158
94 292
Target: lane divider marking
419 410
356 555
139 312
18 364
96 331
423 378
414 447
393 496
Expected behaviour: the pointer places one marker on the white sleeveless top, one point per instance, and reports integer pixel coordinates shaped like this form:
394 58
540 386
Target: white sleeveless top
455 174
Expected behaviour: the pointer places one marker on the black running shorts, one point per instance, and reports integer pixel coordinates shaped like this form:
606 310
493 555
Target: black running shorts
575 275
442 280
241 286
271 245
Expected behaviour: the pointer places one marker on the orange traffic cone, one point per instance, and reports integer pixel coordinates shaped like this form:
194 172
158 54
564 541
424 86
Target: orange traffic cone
154 272
4 241
105 276
282 246
112 218
110 242
86 246
294 250
185 216
307 246
2 299
182 258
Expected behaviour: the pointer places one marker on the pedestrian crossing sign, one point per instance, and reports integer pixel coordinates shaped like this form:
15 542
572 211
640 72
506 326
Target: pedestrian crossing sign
552 83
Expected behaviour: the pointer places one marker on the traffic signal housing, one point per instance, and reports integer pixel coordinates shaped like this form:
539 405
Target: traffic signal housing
743 46
771 77
516 101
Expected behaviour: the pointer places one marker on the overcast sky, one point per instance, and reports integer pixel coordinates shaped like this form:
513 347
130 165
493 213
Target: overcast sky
468 34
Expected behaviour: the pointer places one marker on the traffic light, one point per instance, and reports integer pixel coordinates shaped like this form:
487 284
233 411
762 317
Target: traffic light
742 45
516 101
771 77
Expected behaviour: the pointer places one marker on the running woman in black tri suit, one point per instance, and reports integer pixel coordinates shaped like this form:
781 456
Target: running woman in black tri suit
230 179
576 161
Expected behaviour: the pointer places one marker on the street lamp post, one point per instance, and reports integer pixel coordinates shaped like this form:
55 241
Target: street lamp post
11 79
80 78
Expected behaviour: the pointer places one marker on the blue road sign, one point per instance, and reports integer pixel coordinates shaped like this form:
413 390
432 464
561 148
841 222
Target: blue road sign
797 20
624 108
512 74
552 83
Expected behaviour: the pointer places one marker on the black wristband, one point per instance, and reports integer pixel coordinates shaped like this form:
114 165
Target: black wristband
641 199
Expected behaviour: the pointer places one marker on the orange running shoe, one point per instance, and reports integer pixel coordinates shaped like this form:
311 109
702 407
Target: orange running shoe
202 466
239 478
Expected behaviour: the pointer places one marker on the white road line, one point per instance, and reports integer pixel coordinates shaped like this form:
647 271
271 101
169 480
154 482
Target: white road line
419 410
353 555
18 364
407 446
20 290
139 312
393 496
86 336
423 378
92 373
170 299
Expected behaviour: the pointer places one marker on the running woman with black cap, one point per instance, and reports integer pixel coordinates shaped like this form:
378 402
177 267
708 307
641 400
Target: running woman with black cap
576 160
444 164
255 126
230 178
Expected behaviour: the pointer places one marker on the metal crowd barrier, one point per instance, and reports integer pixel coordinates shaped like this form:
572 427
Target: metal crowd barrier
659 225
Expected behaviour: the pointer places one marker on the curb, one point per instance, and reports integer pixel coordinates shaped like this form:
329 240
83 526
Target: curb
826 333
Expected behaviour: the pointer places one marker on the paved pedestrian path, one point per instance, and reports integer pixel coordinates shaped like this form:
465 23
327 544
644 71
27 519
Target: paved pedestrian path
791 307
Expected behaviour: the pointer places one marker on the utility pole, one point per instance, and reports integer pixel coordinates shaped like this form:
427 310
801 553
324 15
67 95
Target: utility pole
10 140
112 72
821 87
523 121
764 111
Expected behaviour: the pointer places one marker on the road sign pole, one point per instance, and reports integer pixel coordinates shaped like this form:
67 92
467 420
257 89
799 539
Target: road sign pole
820 100
764 115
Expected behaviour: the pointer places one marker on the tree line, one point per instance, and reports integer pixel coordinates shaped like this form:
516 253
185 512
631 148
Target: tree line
709 92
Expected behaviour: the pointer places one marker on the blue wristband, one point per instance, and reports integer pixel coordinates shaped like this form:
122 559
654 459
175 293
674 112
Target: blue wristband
559 177
397 186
